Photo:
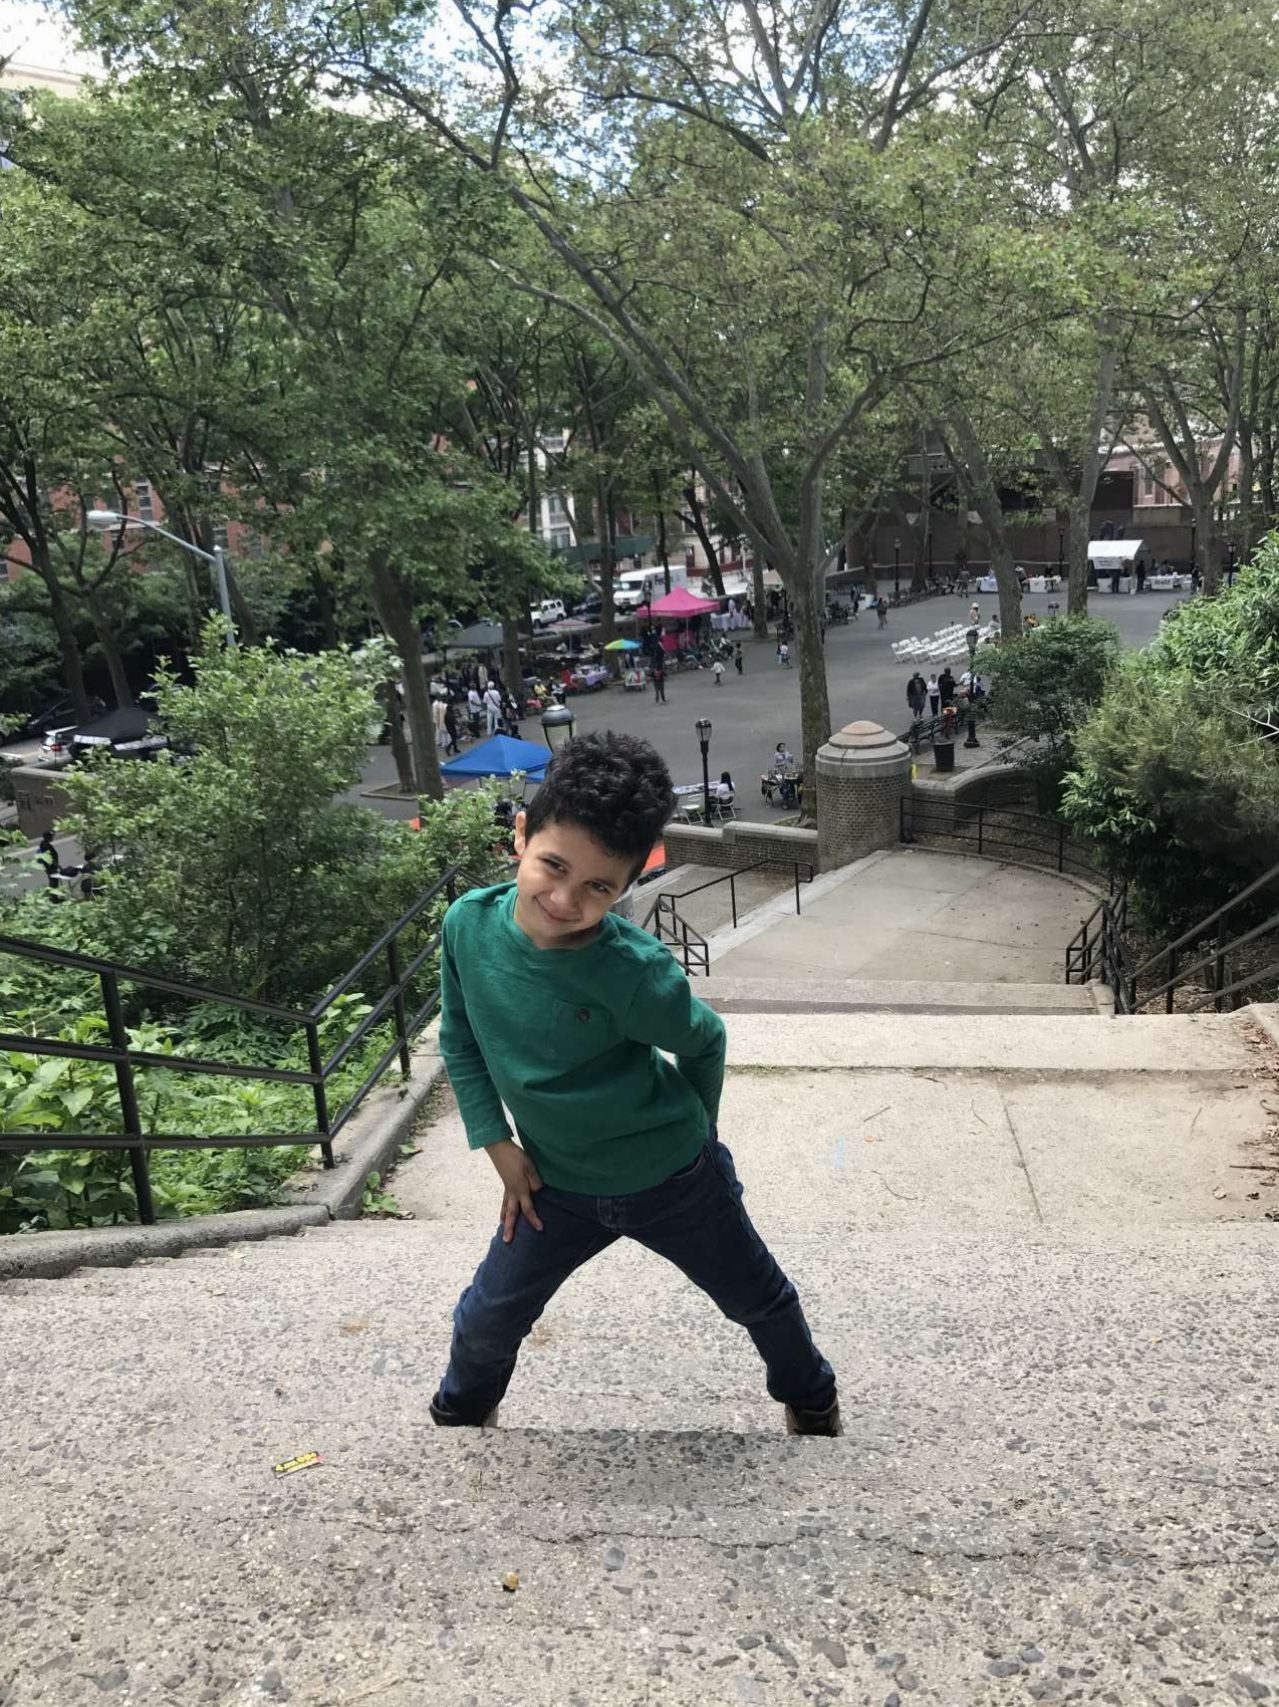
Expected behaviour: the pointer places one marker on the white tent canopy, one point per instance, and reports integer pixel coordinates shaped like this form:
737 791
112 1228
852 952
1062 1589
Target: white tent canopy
1115 550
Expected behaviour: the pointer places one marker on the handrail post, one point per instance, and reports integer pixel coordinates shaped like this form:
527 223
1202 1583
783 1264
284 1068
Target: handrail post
1061 847
980 816
1172 979
128 1097
401 1018
732 892
795 869
1219 967
318 1090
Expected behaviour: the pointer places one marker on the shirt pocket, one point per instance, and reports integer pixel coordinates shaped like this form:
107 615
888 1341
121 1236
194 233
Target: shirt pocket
578 1032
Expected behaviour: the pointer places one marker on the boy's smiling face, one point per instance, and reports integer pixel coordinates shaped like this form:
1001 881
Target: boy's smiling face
565 883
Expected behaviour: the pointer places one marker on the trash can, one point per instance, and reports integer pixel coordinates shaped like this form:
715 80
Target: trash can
944 755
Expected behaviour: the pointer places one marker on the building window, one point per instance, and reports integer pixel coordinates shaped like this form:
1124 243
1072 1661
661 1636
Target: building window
556 509
142 499
561 539
553 442
220 535
253 546
1150 487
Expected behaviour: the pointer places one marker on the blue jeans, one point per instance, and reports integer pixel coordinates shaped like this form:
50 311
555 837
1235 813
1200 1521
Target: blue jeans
694 1219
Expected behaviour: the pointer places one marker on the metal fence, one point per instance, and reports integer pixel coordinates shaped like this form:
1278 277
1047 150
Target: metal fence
392 1005
1001 833
685 942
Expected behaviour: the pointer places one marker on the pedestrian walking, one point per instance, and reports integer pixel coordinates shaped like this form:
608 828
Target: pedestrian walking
474 709
946 686
659 679
916 695
737 657
615 1139
934 694
717 670
493 707
438 709
450 726
881 610
974 615
857 601
783 653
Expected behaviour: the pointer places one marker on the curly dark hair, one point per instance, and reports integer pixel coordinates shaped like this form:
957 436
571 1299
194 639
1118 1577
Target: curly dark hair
616 787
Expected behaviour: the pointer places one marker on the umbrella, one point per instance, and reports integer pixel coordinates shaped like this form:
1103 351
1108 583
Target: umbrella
623 646
499 756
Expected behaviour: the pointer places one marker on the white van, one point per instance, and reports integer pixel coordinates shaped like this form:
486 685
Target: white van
548 611
638 586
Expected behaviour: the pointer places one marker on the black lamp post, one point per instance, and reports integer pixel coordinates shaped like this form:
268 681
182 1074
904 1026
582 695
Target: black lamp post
557 726
972 638
897 568
1061 549
704 741
1194 553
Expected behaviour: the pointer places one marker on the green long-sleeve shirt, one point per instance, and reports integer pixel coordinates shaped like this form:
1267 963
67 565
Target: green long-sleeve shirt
568 1039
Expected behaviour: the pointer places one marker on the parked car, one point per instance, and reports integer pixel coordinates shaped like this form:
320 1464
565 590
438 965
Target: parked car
55 749
129 733
56 713
590 607
548 611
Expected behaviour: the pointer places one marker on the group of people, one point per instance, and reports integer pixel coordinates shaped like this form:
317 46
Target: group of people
943 690
478 695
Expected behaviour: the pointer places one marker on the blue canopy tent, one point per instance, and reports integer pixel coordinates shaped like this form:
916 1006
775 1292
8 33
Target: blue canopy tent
499 756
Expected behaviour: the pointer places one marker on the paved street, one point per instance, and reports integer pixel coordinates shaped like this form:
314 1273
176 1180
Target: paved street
750 716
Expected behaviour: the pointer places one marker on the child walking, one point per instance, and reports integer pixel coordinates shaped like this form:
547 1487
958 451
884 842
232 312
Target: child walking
557 1008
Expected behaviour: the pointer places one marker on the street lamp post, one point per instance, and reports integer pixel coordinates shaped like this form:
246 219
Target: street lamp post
102 521
557 726
897 568
972 637
704 741
1061 549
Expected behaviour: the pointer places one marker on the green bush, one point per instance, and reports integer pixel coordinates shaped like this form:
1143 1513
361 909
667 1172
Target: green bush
1042 687
240 866
84 1188
1171 775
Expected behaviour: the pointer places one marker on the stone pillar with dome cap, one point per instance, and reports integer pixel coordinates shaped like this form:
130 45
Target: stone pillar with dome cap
862 773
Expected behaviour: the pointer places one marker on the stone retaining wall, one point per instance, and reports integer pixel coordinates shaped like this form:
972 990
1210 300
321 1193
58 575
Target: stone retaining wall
738 844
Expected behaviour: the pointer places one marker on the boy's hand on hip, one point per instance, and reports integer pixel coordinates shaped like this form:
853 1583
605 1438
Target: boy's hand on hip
520 1179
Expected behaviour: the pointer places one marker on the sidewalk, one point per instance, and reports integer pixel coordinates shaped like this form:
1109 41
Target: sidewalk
909 914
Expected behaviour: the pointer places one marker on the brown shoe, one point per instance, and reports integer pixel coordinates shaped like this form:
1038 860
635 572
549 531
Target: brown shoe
814 1422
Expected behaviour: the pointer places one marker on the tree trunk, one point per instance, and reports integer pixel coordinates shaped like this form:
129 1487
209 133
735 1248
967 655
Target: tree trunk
326 608
814 701
120 688
394 609
512 671
1077 583
399 746
697 516
604 533
975 476
1208 545
245 621
64 627
759 597
660 513
1247 473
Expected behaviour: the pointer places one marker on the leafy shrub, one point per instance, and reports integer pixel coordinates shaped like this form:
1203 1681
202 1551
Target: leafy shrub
1171 775
1043 686
83 1188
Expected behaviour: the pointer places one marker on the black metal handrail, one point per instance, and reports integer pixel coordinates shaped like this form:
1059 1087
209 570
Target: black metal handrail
999 832
125 1059
1101 942
670 926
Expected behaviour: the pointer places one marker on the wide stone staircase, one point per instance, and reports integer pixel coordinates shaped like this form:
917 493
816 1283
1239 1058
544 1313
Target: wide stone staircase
1035 1246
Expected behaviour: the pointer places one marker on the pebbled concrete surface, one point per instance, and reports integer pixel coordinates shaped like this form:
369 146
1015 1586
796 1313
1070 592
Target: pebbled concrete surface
1057 1354
1057 1483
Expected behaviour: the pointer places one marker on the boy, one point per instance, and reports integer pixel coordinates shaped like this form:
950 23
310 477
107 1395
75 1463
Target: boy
556 1007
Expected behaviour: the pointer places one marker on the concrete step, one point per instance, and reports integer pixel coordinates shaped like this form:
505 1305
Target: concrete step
1035 1465
1066 1043
864 995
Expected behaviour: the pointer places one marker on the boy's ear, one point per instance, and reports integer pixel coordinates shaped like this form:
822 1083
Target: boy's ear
521 840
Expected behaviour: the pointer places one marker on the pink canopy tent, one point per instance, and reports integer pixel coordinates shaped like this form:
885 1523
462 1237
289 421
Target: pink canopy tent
683 603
